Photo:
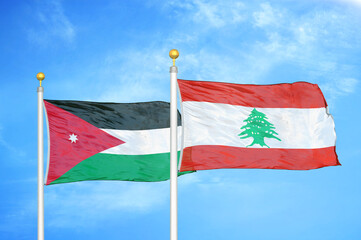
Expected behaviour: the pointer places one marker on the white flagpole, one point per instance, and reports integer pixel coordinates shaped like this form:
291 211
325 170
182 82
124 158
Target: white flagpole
40 76
173 148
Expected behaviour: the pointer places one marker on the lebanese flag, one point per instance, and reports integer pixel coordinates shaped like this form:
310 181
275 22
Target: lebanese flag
280 126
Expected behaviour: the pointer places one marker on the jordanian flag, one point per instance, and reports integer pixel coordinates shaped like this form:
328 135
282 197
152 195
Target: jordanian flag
108 141
281 126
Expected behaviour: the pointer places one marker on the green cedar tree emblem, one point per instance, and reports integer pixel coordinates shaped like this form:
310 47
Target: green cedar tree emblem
258 127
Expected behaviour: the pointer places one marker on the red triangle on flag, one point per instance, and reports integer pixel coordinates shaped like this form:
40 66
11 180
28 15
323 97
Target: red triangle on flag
72 140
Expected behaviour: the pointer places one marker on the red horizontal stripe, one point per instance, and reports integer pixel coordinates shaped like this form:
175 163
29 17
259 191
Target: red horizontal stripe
285 95
215 157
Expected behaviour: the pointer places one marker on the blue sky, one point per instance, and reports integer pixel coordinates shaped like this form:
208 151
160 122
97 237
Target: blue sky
118 51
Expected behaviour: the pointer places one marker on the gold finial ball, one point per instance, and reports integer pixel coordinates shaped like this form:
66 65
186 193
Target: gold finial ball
40 76
173 53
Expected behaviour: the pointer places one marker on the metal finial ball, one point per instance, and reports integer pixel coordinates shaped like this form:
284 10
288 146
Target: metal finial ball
173 53
40 76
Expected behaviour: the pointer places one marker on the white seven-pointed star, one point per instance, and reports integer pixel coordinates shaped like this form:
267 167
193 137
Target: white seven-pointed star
73 138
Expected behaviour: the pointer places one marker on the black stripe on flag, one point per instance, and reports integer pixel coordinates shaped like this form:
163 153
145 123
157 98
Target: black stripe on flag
122 116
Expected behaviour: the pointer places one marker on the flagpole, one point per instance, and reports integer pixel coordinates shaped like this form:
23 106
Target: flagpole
173 148
40 76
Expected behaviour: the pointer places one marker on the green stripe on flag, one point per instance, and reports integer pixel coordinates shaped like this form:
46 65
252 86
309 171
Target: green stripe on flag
138 168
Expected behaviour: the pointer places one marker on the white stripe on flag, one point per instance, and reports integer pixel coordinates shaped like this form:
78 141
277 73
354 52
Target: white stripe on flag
219 124
142 142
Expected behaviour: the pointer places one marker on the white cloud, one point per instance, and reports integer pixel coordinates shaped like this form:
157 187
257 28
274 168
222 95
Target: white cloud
188 179
267 16
348 85
338 87
353 2
69 202
306 41
13 150
86 204
52 24
218 13
135 76
15 218
206 65
244 196
211 13
310 42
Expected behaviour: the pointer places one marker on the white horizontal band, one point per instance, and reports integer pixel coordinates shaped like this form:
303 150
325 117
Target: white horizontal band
219 124
142 142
